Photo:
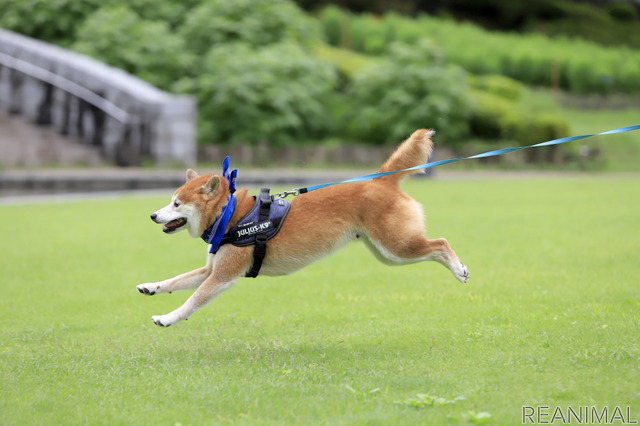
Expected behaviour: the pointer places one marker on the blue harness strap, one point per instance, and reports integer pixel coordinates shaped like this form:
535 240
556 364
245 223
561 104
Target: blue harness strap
214 234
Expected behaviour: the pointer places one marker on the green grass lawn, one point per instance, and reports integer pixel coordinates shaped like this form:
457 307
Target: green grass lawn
550 317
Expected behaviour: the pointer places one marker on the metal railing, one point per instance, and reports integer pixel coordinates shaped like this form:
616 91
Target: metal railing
66 85
126 117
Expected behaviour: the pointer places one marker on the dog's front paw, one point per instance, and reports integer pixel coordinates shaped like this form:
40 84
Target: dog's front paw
149 288
462 274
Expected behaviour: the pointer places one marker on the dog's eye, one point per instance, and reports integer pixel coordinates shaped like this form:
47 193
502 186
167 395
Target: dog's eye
176 204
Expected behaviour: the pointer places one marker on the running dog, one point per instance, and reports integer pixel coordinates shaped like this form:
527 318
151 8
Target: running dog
387 220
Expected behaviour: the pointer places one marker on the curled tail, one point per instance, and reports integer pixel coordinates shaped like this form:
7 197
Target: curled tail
412 152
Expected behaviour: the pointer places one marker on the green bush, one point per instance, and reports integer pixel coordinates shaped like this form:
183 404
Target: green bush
276 93
334 23
504 87
487 112
411 88
495 117
551 127
56 21
530 130
255 22
118 36
622 11
53 21
368 35
173 12
347 62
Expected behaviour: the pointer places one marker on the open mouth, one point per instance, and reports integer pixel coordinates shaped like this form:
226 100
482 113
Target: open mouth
174 225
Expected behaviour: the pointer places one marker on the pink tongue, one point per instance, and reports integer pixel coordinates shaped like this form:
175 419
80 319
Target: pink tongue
173 224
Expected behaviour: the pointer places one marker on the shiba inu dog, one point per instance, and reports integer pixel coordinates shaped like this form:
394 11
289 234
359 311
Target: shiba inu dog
377 212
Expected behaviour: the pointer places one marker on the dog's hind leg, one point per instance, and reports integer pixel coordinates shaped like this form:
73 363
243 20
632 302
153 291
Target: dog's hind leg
186 281
417 249
397 238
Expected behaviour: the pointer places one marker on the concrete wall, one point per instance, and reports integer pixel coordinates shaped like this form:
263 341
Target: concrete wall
102 106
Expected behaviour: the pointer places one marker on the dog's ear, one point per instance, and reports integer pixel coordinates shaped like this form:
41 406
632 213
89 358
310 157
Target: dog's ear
191 175
211 187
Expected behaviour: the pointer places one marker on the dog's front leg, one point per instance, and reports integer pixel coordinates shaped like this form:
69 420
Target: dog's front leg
186 281
230 264
208 291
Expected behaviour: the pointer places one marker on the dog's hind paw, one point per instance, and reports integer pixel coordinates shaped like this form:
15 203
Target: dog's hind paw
166 320
161 320
462 274
148 289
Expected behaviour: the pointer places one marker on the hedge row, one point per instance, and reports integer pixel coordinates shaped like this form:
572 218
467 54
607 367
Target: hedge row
571 64
497 118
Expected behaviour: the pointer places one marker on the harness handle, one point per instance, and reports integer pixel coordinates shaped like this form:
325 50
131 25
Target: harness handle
265 204
260 245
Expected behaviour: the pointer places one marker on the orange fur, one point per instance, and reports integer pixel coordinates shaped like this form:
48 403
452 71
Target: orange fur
388 221
413 152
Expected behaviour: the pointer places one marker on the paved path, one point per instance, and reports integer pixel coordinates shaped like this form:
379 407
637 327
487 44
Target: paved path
17 182
61 185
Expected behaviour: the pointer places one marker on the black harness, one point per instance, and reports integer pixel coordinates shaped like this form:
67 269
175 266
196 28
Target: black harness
257 227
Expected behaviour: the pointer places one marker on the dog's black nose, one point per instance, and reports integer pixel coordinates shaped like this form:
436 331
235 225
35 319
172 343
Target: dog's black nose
153 217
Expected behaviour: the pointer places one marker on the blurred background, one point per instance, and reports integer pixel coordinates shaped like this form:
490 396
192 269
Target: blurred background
313 84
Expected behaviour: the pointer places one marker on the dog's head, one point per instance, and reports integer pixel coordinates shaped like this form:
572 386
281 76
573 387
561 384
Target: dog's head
194 206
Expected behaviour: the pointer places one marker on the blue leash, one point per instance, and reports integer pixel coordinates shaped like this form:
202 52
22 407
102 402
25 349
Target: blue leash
454 160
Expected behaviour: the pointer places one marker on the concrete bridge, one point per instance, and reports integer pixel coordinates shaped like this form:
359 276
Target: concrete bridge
85 108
